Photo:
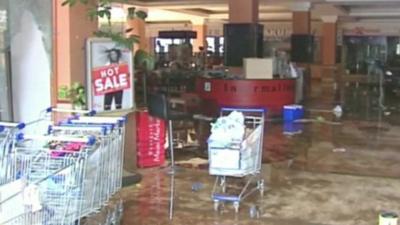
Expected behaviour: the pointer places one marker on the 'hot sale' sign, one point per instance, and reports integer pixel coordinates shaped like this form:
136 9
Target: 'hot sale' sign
110 79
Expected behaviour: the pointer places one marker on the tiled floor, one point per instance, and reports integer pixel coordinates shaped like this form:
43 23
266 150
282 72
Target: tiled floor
330 174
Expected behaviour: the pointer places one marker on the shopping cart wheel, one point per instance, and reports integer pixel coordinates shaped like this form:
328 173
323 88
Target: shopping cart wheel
223 188
254 212
216 205
236 206
260 186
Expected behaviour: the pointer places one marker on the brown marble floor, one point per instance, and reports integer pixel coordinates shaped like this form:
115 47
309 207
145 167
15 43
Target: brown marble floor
307 181
330 174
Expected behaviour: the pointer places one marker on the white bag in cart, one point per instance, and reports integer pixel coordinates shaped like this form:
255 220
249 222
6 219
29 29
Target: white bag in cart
13 205
227 129
14 199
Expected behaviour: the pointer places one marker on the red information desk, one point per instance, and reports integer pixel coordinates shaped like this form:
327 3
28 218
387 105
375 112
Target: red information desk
271 94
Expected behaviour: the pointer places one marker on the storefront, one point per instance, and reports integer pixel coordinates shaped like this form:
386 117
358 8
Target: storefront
25 66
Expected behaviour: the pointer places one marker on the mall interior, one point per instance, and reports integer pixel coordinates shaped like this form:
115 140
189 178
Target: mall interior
130 112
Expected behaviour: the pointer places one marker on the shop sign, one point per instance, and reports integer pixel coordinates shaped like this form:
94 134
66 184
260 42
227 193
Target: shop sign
359 30
277 33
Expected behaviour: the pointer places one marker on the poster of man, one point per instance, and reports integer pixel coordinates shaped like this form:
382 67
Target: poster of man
109 76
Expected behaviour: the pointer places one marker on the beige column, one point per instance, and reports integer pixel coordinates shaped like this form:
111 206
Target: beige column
138 27
302 25
72 28
329 32
242 11
200 41
301 18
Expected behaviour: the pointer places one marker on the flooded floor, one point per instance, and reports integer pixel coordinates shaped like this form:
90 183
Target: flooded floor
333 172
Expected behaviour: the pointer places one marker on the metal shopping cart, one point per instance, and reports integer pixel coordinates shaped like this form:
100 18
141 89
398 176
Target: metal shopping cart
8 131
110 137
70 182
116 147
239 159
49 184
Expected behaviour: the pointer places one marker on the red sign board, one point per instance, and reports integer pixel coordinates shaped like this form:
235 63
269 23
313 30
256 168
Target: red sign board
109 79
270 94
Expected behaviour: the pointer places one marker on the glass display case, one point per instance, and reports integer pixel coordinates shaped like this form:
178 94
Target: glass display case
361 51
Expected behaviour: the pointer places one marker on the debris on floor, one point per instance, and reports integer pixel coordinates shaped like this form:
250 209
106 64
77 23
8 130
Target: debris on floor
319 119
339 150
193 162
197 186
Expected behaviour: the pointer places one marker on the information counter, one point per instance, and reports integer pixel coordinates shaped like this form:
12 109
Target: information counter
271 94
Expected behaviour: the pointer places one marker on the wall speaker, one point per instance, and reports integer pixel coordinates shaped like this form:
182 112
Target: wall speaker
243 40
302 48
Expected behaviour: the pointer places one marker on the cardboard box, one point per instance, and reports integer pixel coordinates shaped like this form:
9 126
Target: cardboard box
256 68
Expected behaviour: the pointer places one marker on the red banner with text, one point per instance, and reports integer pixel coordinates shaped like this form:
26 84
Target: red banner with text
111 78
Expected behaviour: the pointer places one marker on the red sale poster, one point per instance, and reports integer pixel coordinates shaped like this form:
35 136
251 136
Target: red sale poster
109 79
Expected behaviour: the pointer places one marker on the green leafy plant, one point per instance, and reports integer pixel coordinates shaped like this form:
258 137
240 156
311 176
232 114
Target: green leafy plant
103 10
144 61
76 94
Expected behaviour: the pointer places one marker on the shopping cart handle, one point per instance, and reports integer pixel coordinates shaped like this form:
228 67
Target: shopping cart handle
2 128
91 140
21 126
92 113
19 137
49 129
78 127
49 109
244 110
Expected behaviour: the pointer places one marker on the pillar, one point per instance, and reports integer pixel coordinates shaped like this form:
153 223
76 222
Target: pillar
329 28
138 27
243 11
302 26
301 18
72 28
301 22
200 41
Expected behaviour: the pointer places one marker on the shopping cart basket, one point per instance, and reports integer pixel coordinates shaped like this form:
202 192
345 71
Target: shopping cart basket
238 159
61 175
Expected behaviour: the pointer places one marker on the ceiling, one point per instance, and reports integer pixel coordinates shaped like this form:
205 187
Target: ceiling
271 10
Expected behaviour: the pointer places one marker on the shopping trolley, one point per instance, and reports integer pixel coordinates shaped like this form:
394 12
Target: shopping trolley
110 138
116 148
50 184
8 131
238 159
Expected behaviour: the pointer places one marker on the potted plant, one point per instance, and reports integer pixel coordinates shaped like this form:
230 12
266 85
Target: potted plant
75 94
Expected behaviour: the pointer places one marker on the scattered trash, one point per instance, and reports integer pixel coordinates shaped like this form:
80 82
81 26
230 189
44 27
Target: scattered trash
319 119
197 186
387 113
254 212
338 150
388 218
338 111
193 162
